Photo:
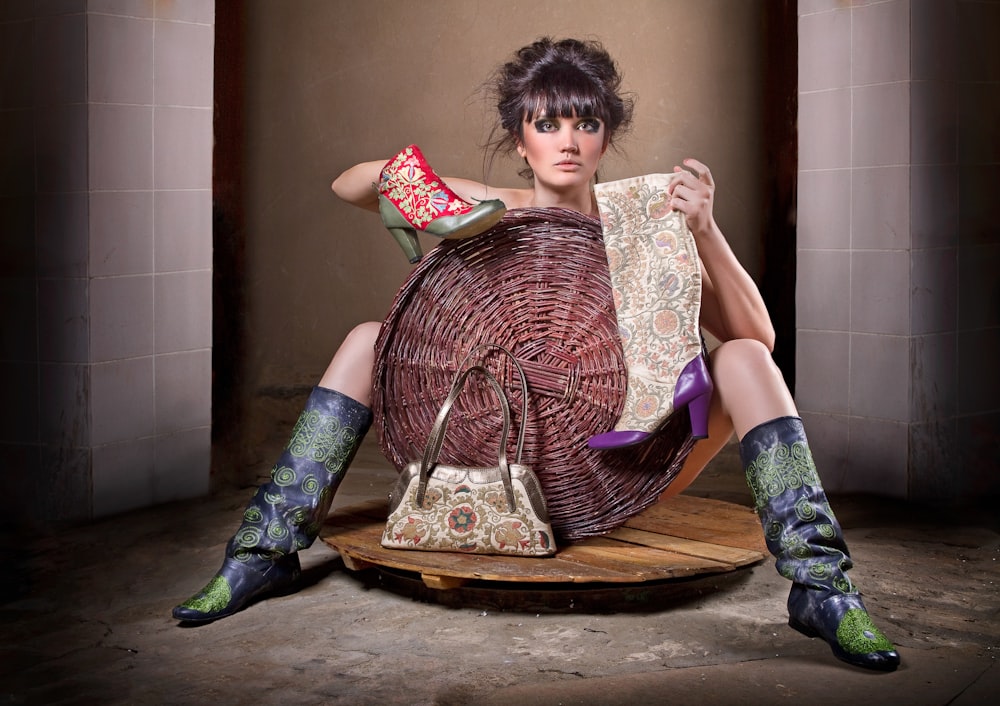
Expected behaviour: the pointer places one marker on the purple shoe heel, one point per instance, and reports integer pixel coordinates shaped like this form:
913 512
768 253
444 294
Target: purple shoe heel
694 388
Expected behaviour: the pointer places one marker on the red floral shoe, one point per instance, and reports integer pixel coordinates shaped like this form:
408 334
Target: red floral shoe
412 197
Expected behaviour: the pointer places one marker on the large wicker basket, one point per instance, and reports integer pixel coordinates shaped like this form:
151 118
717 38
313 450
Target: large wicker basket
537 284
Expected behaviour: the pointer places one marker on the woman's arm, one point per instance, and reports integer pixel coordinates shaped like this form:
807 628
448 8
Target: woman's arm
731 305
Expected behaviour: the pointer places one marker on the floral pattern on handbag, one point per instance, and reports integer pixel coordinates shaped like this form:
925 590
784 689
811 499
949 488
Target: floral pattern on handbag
487 510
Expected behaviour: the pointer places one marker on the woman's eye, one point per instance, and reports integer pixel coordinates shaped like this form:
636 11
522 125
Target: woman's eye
590 125
544 125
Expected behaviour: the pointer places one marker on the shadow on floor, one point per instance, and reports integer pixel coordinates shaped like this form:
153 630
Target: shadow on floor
85 619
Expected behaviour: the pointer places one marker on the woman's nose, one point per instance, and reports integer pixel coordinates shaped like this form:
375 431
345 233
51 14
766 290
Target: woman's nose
569 142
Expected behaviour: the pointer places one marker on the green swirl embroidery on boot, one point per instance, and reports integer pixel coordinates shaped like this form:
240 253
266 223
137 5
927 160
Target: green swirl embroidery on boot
779 469
823 573
319 445
794 545
248 536
323 440
253 514
215 596
805 510
858 635
276 530
283 476
340 454
806 465
826 530
303 433
310 484
802 552
329 439
843 584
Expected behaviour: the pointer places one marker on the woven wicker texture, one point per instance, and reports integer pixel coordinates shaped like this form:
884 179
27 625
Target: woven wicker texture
537 284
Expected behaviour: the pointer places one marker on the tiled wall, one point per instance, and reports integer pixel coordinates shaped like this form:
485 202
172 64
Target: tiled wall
106 208
897 309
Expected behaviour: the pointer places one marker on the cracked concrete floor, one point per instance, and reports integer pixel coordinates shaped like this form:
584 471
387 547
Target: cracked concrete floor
85 619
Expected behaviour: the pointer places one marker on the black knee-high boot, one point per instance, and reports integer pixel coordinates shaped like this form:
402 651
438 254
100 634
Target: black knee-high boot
285 514
806 541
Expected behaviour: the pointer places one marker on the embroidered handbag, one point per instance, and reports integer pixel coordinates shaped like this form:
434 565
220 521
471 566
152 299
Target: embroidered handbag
490 510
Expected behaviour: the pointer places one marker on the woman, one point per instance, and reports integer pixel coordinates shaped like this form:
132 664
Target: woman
560 110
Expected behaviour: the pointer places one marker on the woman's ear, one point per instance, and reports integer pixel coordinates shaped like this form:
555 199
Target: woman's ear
521 151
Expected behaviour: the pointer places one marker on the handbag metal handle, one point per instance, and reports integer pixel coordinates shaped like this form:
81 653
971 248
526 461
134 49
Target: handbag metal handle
436 437
524 387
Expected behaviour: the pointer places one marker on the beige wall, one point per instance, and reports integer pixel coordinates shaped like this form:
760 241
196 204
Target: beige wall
333 83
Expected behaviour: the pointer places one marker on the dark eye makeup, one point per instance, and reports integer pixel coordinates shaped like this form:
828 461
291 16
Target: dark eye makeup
551 124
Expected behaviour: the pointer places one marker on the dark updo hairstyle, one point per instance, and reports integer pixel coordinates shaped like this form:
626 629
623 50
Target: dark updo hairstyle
564 78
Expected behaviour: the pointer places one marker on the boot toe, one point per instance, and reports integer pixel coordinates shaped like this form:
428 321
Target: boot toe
234 587
843 622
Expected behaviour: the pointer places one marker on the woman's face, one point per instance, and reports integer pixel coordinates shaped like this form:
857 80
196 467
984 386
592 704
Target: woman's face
562 152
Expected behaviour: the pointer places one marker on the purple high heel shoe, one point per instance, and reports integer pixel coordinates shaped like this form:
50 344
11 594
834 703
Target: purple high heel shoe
694 389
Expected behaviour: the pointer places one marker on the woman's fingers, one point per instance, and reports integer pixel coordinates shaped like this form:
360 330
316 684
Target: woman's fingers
701 170
691 190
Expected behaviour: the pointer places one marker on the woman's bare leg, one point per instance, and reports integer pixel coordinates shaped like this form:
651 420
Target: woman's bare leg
350 370
749 390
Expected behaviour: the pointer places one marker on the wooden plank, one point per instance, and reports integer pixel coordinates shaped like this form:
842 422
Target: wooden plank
734 556
644 563
716 512
500 568
703 519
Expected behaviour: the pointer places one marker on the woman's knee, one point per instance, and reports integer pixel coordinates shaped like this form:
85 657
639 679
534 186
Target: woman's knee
750 386
358 347
741 356
362 337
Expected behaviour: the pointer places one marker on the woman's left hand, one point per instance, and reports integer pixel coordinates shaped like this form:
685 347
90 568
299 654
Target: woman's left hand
692 192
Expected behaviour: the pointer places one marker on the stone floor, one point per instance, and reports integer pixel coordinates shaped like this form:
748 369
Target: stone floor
85 619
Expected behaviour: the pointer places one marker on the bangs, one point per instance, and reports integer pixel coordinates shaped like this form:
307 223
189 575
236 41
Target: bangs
562 92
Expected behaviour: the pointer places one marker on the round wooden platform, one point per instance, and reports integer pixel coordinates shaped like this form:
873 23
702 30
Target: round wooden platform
679 538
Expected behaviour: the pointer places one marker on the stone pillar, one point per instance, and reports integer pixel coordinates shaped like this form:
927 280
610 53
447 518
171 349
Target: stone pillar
106 210
896 304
